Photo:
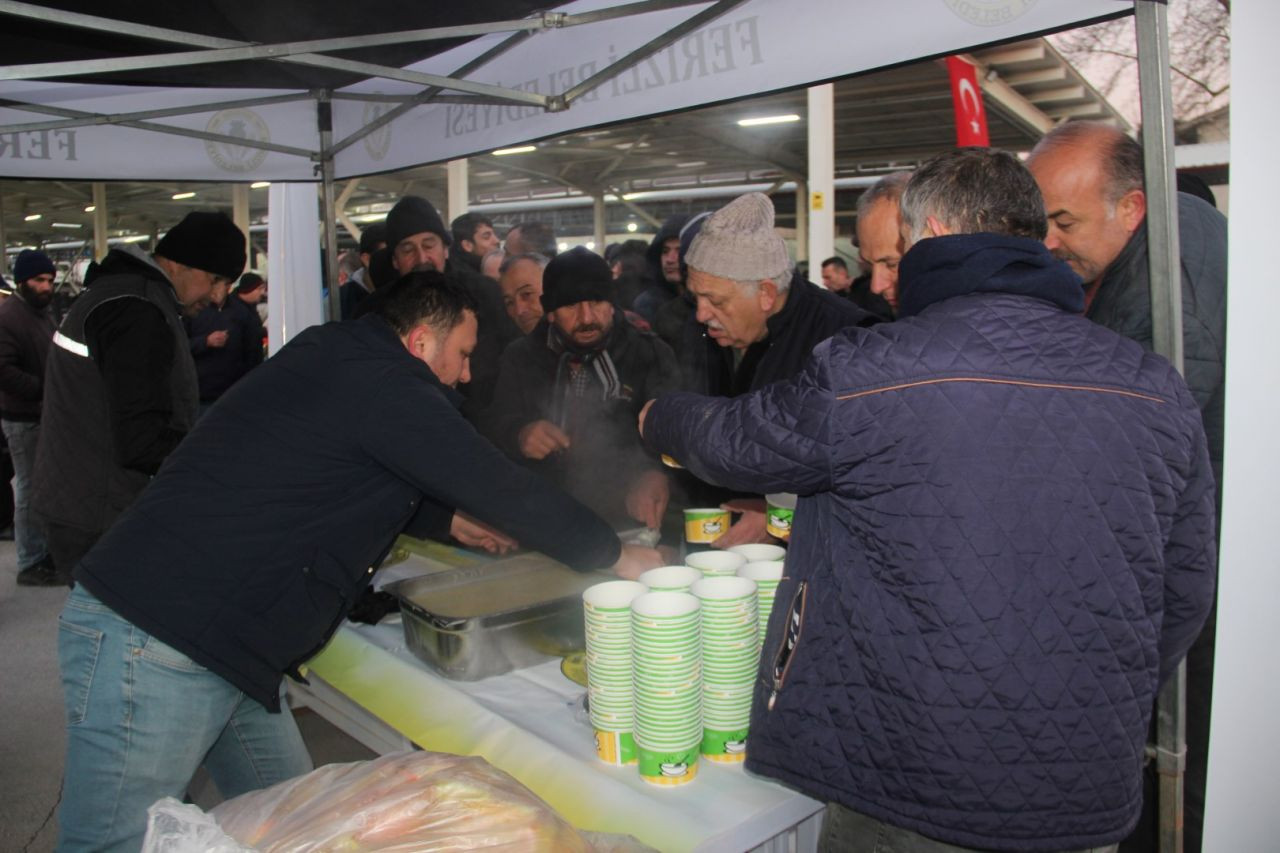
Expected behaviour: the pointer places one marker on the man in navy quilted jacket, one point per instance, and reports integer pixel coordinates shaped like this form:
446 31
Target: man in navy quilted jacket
1004 541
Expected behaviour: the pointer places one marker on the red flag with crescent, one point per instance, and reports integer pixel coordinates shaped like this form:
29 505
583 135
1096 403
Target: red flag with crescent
966 96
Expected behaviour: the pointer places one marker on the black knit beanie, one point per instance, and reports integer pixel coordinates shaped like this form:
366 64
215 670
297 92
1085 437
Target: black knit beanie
206 241
578 275
414 215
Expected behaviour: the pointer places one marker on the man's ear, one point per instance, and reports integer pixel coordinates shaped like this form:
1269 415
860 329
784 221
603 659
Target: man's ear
467 246
1131 209
421 343
936 228
767 295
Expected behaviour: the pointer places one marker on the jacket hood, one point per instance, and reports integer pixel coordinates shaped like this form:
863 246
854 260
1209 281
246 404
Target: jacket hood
958 264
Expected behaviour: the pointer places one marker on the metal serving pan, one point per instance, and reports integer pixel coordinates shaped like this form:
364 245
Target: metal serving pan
473 622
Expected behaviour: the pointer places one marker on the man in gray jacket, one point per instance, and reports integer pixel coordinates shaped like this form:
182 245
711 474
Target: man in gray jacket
1092 180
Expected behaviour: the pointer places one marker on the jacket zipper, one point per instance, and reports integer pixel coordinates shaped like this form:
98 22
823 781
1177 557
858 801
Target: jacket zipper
790 641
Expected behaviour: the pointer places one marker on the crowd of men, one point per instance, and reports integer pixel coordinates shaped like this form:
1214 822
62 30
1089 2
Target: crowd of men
1004 540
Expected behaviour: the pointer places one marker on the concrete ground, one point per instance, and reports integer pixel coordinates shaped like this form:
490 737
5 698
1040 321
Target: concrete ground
32 732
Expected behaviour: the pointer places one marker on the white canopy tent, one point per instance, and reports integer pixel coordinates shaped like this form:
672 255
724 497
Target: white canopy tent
583 65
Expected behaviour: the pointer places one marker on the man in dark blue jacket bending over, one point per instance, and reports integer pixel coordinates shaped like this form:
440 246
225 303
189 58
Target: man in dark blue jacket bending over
173 643
1004 541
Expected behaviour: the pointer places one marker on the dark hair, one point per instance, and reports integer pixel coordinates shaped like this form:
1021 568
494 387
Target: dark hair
973 190
464 227
537 237
373 237
1121 155
423 296
836 261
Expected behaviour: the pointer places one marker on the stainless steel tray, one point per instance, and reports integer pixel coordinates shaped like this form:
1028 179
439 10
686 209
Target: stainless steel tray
473 622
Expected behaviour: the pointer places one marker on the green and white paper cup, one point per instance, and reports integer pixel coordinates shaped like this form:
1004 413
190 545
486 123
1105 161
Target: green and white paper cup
767 576
759 552
779 515
704 525
666 677
670 578
730 663
712 563
607 617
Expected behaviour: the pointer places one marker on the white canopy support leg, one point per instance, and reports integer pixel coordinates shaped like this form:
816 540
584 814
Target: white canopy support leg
293 264
459 191
822 177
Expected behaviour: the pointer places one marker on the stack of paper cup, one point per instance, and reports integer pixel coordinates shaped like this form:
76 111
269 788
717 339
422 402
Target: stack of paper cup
712 563
767 576
759 552
670 578
666 670
607 609
730 659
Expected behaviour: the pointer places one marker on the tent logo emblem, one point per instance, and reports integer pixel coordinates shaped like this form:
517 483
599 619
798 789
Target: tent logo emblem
377 143
241 124
989 13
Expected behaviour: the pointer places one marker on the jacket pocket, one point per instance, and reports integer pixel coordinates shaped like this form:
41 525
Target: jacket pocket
311 602
78 650
790 642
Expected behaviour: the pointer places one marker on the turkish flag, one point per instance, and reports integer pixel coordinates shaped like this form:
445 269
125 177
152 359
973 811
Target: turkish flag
966 97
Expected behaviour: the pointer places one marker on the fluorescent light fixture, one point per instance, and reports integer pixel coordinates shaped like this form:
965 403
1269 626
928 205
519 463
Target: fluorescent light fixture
259 185
519 149
181 196
134 238
91 208
66 224
563 247
631 227
369 217
31 217
691 164
519 180
591 244
754 122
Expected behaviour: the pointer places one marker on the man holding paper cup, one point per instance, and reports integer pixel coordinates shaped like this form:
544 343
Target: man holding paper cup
764 317
1004 541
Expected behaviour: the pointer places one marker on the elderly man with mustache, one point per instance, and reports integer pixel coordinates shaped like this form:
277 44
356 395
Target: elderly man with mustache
569 391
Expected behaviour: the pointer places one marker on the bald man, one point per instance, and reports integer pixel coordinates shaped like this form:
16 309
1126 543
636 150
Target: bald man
1091 178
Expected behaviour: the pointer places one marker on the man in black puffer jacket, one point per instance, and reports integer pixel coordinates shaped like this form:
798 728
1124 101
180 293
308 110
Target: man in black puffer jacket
1004 541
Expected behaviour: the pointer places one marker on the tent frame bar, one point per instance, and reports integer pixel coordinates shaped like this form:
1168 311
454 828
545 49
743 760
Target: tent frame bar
1165 274
93 119
218 50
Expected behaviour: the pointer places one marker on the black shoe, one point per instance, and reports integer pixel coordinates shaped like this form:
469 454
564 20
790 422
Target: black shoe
41 574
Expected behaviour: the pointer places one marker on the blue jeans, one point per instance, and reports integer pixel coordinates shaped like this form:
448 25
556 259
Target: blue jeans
847 831
21 436
141 718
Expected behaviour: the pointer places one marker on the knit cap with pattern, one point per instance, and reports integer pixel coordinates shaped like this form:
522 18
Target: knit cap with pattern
739 242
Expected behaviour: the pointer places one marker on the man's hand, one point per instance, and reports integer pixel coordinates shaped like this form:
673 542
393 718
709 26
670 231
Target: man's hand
217 339
644 413
647 498
476 534
636 560
540 439
750 528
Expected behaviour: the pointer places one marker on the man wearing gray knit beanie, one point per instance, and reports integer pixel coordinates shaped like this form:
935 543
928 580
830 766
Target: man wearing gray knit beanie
765 318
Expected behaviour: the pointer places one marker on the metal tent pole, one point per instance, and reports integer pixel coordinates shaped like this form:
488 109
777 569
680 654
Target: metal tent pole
1166 326
324 115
